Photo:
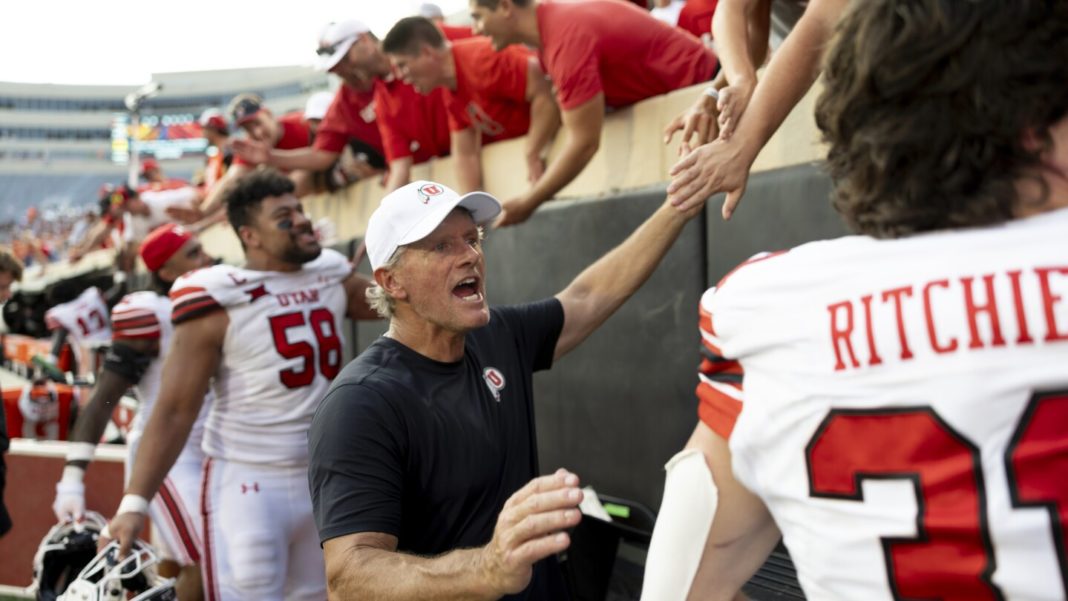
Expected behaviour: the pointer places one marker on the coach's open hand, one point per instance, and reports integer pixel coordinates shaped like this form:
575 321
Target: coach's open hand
530 528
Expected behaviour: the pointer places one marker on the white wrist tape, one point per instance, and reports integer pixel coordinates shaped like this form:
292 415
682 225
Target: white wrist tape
80 451
712 92
132 504
73 474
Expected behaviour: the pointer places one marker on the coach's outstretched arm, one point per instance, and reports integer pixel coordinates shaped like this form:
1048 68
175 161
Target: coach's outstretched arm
195 353
530 527
604 286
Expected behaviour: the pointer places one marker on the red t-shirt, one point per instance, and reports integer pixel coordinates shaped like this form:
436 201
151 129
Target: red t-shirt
412 125
490 90
455 32
51 420
295 134
696 16
351 115
591 46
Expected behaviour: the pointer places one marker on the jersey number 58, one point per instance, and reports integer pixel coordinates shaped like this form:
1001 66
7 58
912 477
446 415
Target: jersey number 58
322 323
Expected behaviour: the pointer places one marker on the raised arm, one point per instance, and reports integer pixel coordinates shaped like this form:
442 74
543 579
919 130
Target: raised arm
125 364
94 238
400 173
544 119
530 528
723 165
602 288
582 125
214 201
740 28
308 158
466 156
193 359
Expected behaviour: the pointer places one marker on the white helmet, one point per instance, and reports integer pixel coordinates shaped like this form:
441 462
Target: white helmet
108 578
64 551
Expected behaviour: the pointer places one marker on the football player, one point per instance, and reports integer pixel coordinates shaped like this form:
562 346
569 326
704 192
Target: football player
141 334
894 404
267 337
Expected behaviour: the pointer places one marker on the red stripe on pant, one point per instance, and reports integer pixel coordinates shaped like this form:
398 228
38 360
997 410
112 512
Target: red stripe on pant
207 567
178 517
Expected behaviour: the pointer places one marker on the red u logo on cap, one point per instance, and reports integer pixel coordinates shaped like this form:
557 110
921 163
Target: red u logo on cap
428 190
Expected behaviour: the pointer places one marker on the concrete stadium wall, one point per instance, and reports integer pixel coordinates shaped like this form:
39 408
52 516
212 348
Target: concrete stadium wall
631 157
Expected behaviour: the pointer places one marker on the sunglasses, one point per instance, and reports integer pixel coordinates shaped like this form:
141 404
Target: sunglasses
332 48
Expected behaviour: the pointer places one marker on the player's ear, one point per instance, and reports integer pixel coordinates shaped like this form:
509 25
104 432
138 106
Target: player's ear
391 281
250 238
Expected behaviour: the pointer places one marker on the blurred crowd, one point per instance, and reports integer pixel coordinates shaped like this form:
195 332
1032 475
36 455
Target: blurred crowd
428 89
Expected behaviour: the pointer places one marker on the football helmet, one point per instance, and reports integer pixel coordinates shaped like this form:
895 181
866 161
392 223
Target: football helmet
64 551
107 577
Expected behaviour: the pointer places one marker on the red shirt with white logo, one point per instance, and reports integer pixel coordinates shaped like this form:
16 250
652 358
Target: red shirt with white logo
490 90
295 134
351 115
591 46
411 124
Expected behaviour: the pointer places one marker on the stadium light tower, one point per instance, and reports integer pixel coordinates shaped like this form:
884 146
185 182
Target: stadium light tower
133 102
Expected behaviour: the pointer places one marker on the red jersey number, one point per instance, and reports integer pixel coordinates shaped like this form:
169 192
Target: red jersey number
93 322
329 346
952 557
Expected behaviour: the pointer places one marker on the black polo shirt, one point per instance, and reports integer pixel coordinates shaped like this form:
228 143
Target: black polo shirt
429 451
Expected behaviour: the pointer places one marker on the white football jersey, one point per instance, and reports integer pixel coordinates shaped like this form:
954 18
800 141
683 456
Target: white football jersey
901 407
147 316
85 318
283 346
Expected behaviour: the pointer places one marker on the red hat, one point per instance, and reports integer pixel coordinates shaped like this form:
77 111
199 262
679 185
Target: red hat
161 244
217 123
213 118
148 164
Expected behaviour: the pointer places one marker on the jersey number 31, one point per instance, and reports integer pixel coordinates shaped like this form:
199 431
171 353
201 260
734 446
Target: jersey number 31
952 555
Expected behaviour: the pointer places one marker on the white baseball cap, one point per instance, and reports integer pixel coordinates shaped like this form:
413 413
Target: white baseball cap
335 40
317 105
430 10
410 213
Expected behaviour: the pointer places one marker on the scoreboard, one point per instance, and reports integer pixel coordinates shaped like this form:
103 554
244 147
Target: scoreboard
168 136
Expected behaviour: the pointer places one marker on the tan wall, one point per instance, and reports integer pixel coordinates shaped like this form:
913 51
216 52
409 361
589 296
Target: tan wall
631 156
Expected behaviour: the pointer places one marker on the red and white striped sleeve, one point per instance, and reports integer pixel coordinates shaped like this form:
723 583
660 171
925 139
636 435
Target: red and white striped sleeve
189 302
719 386
134 323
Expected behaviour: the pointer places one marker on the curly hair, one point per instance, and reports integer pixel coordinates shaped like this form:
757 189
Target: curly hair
935 109
243 198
